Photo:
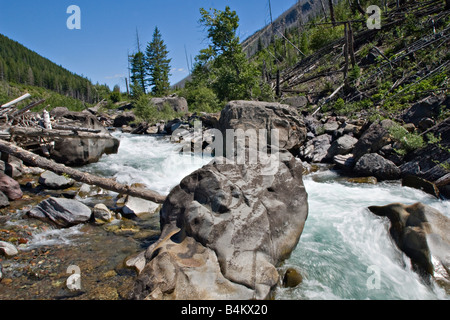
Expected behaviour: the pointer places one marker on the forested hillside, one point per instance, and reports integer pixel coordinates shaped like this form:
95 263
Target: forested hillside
20 67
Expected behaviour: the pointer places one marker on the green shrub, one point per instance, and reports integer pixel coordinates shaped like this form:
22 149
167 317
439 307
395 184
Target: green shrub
115 96
146 111
408 141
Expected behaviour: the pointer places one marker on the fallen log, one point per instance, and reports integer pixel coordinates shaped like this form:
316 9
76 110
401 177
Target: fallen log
29 107
71 128
34 160
11 103
53 133
443 180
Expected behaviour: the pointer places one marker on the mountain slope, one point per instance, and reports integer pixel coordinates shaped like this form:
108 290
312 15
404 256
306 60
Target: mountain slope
19 65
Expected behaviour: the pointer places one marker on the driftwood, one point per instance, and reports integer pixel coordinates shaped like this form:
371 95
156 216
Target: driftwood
34 160
443 180
41 132
11 103
31 106
329 98
71 128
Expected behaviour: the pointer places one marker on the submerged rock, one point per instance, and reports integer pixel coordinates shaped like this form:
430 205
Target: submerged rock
225 228
423 234
61 212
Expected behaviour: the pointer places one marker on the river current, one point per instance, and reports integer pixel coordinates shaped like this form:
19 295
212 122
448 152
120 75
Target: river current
344 252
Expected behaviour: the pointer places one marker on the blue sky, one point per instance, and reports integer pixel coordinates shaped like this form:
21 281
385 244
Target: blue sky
99 49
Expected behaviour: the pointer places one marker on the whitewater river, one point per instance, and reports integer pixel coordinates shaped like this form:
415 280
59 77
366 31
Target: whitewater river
343 246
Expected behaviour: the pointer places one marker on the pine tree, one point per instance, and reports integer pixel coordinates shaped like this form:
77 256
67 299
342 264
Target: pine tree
138 72
158 65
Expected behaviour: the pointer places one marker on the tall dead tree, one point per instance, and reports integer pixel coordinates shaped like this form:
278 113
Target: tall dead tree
324 11
351 48
333 19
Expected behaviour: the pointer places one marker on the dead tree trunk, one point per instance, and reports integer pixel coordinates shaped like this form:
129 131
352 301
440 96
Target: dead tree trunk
351 47
37 132
324 11
333 19
105 183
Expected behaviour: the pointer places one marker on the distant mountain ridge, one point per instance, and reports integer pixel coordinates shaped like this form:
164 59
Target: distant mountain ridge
303 11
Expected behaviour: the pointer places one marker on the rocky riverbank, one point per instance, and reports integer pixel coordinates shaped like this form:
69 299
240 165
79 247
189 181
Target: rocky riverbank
215 221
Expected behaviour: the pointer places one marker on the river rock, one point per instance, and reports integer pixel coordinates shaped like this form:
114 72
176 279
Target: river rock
101 213
373 139
423 234
8 249
138 206
13 168
53 181
258 115
316 149
82 151
314 126
4 202
225 229
342 146
61 212
373 164
10 187
292 278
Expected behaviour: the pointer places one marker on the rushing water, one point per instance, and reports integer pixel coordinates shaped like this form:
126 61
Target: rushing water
343 246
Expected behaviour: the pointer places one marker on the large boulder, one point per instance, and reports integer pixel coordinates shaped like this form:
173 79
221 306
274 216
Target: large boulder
10 187
423 234
254 115
82 151
373 139
225 229
61 212
373 164
177 104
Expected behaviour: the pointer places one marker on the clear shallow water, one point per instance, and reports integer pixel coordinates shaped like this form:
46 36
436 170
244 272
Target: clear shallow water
342 245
